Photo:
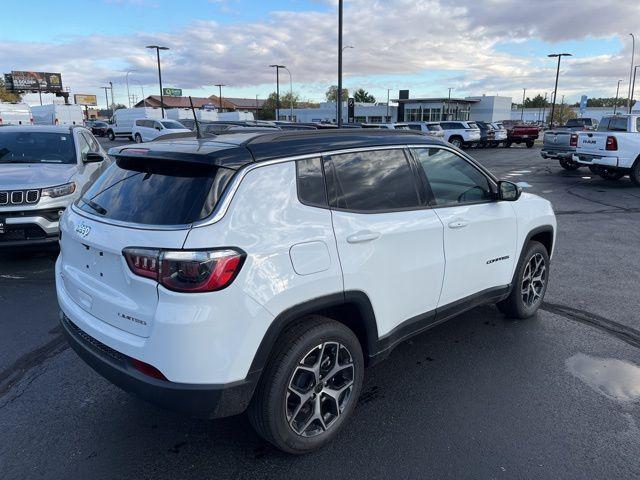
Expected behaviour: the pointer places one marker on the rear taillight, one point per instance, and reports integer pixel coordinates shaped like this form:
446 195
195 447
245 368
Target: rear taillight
31 121
186 271
0 121
56 121
573 141
612 143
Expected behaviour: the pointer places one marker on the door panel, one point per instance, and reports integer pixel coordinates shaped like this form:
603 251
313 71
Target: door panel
480 246
397 259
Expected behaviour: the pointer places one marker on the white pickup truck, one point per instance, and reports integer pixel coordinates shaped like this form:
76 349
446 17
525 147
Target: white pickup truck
614 149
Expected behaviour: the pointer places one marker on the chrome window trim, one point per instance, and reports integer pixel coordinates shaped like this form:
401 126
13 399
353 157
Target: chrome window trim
225 201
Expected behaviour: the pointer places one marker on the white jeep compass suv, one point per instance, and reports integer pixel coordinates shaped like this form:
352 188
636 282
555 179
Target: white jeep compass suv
263 271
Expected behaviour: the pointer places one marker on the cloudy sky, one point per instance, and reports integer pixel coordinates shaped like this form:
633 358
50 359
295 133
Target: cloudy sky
474 46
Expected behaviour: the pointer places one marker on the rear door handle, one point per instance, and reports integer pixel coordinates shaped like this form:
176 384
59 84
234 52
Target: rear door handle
458 224
363 236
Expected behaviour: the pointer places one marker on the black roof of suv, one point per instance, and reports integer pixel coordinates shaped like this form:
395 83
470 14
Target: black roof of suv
238 149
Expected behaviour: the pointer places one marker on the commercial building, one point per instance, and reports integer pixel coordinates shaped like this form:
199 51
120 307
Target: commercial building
540 114
328 112
227 105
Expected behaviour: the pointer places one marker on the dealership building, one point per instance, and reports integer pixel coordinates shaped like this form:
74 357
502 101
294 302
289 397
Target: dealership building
406 109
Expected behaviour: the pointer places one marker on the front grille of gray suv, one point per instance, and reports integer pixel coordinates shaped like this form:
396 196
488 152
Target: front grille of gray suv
19 197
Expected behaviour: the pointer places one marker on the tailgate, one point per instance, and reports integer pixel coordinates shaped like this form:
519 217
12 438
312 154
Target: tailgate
557 140
591 142
96 275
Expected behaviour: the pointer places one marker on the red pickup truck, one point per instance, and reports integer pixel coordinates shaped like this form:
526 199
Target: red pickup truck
520 133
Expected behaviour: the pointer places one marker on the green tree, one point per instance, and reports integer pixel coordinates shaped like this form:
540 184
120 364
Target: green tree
536 102
7 96
332 94
562 113
268 109
362 96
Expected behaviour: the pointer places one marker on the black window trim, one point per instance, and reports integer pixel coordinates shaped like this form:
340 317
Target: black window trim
324 205
492 180
408 159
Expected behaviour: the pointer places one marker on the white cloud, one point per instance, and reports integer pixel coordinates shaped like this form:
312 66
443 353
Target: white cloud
395 37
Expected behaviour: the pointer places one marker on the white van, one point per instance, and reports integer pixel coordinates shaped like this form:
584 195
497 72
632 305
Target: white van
235 116
15 114
121 124
57 114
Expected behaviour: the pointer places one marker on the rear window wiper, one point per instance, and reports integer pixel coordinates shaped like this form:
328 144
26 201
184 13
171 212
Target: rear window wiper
94 206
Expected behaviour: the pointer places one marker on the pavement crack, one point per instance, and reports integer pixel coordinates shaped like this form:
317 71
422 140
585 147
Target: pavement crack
617 207
611 327
16 372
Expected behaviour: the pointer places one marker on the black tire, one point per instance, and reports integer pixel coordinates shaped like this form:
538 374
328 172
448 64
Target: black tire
611 173
634 173
595 169
137 138
111 135
507 144
569 164
273 399
529 144
515 305
456 142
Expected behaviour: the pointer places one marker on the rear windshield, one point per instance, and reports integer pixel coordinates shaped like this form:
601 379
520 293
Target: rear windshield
156 193
36 147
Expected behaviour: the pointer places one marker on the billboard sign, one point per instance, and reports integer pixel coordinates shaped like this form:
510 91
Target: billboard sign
34 81
82 99
172 92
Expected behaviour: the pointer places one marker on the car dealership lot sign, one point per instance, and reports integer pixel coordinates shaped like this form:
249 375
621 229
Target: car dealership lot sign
172 92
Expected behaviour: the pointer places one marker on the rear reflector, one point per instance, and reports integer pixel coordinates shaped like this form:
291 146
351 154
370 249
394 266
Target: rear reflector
148 370
187 271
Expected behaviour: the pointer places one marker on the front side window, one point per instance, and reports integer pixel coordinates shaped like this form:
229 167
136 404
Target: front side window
172 125
452 179
373 181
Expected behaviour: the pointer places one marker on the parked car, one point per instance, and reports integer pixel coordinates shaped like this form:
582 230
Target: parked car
500 133
560 144
284 262
428 128
57 114
42 170
487 134
521 133
15 114
614 150
391 126
99 128
461 134
148 130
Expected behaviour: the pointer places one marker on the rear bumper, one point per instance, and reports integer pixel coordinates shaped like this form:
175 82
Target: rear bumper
202 401
557 154
588 159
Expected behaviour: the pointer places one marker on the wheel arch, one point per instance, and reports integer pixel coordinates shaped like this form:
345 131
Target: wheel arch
351 308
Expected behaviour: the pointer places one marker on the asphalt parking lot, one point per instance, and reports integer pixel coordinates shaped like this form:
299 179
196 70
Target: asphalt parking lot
557 396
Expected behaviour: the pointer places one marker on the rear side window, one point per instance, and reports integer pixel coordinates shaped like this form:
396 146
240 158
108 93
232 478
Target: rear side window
156 193
414 126
375 181
310 178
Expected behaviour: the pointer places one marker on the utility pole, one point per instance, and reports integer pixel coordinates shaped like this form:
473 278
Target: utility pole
633 51
448 104
126 79
112 102
339 96
388 119
106 99
524 91
220 85
555 90
157 49
615 103
633 86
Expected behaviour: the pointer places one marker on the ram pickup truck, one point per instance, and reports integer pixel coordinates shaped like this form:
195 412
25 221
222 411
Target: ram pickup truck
560 144
521 133
614 149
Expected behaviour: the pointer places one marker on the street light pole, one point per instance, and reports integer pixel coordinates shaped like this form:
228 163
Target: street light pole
220 85
290 95
388 119
544 107
277 67
633 51
555 90
615 104
158 48
112 102
633 86
524 91
126 78
106 99
340 50
449 104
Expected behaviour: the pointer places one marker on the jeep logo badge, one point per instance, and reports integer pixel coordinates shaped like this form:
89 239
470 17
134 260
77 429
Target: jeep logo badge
83 229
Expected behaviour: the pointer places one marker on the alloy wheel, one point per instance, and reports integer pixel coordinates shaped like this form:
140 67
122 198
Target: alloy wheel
319 389
533 280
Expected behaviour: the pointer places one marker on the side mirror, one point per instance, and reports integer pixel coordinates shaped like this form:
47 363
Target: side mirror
93 157
508 191
158 128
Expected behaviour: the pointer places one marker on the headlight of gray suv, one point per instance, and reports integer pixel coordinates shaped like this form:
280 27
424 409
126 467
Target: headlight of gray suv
59 190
